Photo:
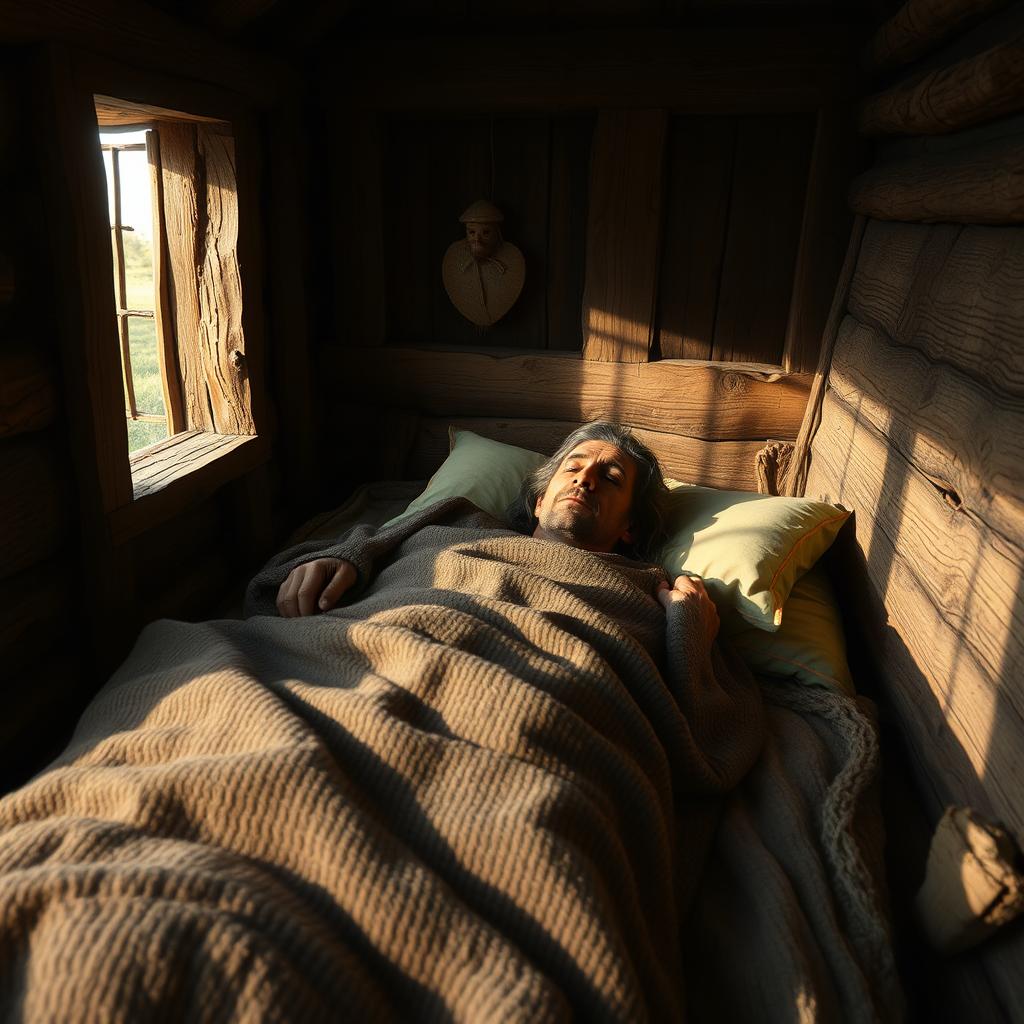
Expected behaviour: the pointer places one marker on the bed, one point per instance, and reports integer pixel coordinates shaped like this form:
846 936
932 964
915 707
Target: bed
497 783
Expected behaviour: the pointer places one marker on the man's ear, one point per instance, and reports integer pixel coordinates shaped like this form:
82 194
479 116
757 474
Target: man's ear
537 504
627 535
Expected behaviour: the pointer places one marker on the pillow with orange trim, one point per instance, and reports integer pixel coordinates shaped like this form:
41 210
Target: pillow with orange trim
809 646
748 548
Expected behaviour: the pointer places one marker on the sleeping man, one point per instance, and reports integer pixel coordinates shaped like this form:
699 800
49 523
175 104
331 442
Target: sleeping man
601 491
481 787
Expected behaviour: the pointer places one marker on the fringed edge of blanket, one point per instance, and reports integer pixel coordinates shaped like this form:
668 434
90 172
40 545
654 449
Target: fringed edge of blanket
855 885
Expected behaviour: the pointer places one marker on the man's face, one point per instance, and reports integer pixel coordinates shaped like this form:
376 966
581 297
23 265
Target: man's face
588 500
483 238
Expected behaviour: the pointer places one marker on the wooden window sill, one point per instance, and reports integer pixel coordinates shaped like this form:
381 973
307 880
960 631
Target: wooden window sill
179 472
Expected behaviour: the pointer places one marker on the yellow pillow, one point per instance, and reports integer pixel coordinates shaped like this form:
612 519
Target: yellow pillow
748 548
809 646
487 472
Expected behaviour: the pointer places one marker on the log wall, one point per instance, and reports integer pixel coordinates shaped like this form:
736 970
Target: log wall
76 587
922 434
678 199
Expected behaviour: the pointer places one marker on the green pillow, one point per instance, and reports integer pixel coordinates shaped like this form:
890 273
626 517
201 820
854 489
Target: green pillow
809 645
487 472
748 548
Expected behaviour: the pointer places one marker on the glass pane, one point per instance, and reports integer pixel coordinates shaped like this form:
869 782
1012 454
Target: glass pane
137 213
149 395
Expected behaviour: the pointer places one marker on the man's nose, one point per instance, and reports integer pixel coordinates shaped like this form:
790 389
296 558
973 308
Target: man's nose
586 477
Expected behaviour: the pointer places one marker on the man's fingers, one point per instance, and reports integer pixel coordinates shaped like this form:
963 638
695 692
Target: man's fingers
287 595
340 582
309 589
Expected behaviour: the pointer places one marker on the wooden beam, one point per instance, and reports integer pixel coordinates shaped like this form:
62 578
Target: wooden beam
984 185
623 235
697 70
33 505
978 89
28 396
726 464
119 27
713 402
824 235
951 650
955 293
920 25
111 112
167 350
967 439
796 476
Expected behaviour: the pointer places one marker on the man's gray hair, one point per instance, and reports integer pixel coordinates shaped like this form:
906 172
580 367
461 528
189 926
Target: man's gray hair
648 512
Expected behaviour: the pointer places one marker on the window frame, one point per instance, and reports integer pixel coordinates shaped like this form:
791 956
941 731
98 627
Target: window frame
203 465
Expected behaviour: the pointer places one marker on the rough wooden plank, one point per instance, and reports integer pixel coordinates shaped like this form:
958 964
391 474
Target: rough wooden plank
796 475
167 350
28 396
956 294
118 27
700 161
920 25
159 464
765 216
355 143
183 207
726 464
694 70
967 439
951 595
33 505
970 92
623 235
824 233
220 289
111 111
679 397
981 186
568 177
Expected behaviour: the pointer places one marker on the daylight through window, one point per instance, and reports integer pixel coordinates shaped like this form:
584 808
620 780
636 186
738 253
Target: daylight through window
130 205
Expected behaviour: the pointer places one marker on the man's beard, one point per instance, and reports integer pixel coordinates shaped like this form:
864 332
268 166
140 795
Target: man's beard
569 520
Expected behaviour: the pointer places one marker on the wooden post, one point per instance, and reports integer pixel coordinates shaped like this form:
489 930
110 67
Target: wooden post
623 235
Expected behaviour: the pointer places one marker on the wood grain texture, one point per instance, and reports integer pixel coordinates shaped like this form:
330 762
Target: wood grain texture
980 186
726 464
953 597
694 70
824 235
623 235
33 504
796 475
765 215
167 350
28 394
220 288
955 293
701 151
716 403
183 207
965 438
920 25
970 92
118 27
568 200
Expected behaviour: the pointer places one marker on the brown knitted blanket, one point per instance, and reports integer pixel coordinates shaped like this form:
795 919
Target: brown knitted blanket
483 788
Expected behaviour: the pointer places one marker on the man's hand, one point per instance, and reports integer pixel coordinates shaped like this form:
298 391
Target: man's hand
316 585
690 590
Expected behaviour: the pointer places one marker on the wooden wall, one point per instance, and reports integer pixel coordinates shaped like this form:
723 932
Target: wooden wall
678 198
922 434
77 584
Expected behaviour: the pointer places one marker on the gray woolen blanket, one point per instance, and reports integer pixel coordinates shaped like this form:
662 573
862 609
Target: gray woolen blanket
483 788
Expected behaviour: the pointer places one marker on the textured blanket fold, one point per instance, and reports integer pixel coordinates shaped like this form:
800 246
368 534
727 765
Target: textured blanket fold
483 788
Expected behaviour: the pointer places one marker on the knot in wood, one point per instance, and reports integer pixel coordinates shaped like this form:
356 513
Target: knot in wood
732 382
238 359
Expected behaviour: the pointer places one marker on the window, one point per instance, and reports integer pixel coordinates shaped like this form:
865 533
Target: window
127 158
174 222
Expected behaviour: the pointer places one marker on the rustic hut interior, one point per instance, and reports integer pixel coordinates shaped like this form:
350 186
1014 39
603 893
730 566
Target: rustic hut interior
780 241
